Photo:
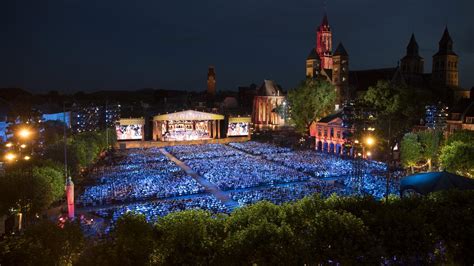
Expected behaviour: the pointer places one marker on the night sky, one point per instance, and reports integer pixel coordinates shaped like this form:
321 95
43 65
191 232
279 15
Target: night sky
71 45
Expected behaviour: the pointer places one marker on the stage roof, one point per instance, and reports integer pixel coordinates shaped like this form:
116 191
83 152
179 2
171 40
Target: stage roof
131 121
188 115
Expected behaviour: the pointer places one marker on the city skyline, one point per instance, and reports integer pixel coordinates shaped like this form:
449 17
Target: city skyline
72 45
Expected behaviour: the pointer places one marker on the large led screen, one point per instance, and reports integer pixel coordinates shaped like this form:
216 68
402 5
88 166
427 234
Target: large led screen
238 129
129 132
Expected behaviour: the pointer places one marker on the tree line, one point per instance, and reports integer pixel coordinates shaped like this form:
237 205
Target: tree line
436 229
30 187
430 150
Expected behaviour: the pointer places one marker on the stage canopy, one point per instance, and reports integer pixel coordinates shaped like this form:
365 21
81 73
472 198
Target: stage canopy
187 125
425 183
188 115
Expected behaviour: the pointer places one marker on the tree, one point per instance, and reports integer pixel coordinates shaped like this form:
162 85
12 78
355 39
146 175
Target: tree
55 178
133 240
312 100
258 234
458 157
398 109
465 136
430 141
336 236
44 243
410 151
192 237
25 193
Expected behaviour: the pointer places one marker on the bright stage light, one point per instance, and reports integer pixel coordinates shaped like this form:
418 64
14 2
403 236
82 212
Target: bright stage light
23 146
369 154
27 158
9 145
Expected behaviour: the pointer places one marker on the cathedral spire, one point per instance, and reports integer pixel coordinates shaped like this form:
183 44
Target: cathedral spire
340 50
446 43
325 21
413 48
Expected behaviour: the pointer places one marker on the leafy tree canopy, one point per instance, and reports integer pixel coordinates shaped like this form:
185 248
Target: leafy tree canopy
311 100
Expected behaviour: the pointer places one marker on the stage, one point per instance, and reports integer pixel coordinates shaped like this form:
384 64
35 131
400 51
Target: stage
159 144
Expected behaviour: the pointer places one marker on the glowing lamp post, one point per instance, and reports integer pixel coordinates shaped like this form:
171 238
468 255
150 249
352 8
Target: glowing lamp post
10 157
24 133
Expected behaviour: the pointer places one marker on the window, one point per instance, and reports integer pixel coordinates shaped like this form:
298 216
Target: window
332 132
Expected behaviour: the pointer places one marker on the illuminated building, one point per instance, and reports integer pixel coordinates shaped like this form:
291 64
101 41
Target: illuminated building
322 63
324 43
58 117
328 133
269 97
94 117
461 116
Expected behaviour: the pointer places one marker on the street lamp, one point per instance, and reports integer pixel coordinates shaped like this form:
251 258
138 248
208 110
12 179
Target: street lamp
10 157
27 158
24 133
370 141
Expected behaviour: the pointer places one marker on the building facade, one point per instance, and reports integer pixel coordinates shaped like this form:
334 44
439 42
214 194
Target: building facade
328 134
323 63
94 117
269 98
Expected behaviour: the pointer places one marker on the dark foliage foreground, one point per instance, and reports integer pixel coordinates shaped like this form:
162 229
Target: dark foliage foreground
437 229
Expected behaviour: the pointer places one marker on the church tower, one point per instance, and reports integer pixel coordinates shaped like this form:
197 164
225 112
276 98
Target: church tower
412 62
313 64
211 82
340 73
445 64
324 43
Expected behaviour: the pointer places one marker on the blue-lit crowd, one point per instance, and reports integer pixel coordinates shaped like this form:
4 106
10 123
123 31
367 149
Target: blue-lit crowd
146 181
155 209
136 176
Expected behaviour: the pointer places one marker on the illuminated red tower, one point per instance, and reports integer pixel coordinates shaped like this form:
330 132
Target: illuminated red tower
324 43
70 197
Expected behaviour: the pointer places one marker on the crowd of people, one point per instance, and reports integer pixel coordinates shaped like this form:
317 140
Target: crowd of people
139 175
155 209
248 172
229 168
204 151
258 148
279 194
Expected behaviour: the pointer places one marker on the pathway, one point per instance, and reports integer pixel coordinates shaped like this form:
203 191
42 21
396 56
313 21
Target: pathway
210 187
